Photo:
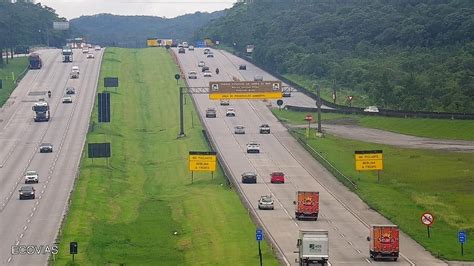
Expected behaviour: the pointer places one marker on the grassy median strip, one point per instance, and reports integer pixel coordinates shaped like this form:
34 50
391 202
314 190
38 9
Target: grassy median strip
9 73
412 182
142 209
422 127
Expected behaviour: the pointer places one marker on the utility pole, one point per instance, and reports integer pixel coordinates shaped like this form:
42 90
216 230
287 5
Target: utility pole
318 104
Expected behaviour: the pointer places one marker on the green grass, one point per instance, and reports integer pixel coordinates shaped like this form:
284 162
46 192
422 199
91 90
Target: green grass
127 212
413 181
422 127
9 73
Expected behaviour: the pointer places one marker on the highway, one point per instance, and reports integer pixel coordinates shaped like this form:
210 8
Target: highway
37 222
342 213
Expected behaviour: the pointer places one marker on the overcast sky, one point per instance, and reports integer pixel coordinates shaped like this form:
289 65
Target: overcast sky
167 8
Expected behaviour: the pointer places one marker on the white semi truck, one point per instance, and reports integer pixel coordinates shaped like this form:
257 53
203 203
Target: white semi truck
313 247
41 109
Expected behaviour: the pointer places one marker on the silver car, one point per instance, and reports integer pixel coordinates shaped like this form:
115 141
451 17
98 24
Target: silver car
266 203
239 130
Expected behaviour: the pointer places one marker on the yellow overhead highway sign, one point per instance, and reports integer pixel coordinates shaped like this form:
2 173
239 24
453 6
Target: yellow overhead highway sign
219 90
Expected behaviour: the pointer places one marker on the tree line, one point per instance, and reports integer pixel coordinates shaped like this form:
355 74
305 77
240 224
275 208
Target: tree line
401 54
24 23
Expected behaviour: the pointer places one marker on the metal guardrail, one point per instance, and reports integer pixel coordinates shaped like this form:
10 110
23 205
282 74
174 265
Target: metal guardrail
358 110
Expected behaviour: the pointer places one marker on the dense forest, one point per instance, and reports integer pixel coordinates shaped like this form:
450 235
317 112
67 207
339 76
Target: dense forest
132 31
402 54
24 23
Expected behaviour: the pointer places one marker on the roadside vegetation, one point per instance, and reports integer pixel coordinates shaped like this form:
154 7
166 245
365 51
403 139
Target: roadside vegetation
140 208
412 182
402 55
9 73
421 127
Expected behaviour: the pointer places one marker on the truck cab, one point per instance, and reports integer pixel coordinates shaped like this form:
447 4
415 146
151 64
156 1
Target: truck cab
41 109
313 247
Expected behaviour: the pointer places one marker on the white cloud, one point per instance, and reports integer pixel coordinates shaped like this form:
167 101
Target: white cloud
76 8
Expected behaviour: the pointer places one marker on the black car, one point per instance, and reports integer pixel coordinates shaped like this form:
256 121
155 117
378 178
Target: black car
27 192
204 68
249 178
211 112
46 147
181 51
70 90
242 67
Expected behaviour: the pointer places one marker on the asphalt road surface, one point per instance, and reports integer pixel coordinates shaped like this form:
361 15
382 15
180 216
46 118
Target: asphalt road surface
35 223
342 213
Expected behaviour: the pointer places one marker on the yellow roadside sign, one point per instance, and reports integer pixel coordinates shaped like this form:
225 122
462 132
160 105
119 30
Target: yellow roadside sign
202 161
369 160
219 90
152 42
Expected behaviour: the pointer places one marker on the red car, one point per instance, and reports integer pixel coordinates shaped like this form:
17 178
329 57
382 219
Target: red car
277 177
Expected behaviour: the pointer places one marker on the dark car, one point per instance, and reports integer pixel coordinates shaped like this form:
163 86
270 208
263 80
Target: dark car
242 67
181 51
211 112
249 178
70 90
204 68
264 129
46 147
210 55
286 94
27 192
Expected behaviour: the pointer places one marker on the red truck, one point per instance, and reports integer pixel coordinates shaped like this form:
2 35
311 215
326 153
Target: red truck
307 205
384 242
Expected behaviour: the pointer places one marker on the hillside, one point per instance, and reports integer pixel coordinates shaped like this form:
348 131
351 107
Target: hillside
404 54
132 31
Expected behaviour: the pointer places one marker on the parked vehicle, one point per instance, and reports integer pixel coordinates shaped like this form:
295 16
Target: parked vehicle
249 177
35 61
307 205
371 109
384 242
266 203
313 247
277 177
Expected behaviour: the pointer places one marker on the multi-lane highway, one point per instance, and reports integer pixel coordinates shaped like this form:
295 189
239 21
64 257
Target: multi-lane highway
36 222
342 213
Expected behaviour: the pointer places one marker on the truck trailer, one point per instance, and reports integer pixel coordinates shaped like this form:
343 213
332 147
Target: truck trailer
41 109
313 247
384 242
35 61
307 205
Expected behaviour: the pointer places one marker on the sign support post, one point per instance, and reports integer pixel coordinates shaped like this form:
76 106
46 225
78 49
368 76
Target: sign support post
181 116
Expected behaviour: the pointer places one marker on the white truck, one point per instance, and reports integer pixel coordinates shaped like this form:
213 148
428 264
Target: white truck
41 109
313 247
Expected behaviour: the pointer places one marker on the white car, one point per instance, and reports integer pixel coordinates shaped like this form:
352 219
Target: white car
97 48
201 64
75 69
230 112
192 75
253 147
85 50
90 56
31 177
371 109
67 99
207 74
266 203
191 48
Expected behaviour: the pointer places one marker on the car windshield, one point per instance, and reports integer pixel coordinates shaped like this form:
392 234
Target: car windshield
31 173
29 188
277 174
46 145
267 199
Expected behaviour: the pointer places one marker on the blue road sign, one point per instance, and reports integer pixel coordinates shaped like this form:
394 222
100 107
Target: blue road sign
462 237
259 234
